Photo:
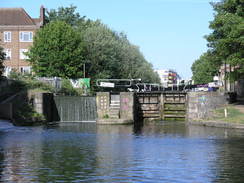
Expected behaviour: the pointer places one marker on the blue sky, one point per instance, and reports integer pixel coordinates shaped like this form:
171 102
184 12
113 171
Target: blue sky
168 32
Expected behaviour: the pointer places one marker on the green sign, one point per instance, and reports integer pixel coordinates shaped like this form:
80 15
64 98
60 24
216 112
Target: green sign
83 83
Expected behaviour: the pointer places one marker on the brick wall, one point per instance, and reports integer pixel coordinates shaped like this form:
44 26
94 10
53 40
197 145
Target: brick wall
15 45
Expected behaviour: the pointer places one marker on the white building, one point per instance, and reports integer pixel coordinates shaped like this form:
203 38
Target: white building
168 77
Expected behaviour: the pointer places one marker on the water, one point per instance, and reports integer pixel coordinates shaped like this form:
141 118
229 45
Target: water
167 152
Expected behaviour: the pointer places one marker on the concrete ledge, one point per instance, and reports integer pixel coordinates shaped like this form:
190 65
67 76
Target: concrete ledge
114 121
217 124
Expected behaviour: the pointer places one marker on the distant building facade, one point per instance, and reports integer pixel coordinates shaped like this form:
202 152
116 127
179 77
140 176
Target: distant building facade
228 85
168 77
17 30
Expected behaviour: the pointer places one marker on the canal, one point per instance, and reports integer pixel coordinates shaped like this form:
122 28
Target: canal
164 152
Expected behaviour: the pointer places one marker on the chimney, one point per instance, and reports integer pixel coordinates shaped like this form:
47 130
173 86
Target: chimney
42 16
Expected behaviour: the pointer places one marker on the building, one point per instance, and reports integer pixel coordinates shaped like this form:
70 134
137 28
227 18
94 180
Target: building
17 30
227 84
168 77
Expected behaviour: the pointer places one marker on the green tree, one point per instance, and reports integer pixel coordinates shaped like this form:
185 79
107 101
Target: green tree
70 16
66 14
2 58
205 68
107 53
57 51
101 52
226 42
111 55
227 38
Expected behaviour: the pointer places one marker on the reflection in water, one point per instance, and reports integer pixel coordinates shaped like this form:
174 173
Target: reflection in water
1 162
163 152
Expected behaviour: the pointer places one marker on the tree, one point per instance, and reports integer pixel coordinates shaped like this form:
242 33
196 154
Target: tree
57 50
2 58
67 15
101 52
107 53
227 38
205 68
226 42
111 55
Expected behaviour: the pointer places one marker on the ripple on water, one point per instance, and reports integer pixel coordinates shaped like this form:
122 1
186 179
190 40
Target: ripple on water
160 153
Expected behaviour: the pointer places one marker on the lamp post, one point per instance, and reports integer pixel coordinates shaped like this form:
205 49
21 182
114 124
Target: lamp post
84 70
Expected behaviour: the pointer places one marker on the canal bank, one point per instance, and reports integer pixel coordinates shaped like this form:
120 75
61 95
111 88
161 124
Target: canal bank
126 107
228 116
219 124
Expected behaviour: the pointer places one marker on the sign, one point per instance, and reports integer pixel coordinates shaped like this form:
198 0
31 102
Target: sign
83 83
107 84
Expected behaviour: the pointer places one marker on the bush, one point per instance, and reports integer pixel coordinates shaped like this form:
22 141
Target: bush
67 88
28 81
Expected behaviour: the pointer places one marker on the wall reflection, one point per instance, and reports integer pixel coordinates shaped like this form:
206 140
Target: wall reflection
104 153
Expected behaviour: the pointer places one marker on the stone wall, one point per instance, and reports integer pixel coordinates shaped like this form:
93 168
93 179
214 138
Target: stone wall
201 104
127 105
108 114
102 100
42 104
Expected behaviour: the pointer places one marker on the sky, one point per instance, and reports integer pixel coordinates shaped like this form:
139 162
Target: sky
170 33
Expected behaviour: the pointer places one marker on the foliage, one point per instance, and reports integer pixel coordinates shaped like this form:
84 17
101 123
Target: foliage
205 68
67 88
20 82
105 53
105 116
226 42
110 55
227 38
57 51
27 82
26 114
2 57
66 14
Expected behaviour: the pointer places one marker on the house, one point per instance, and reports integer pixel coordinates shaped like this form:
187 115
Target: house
228 85
17 30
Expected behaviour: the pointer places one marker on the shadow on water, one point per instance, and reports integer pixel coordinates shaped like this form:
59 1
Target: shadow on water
170 128
1 160
137 127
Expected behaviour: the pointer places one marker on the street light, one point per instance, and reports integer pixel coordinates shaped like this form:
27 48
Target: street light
84 70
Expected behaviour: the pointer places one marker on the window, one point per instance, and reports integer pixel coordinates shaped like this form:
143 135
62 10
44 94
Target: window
26 36
22 54
7 36
26 69
7 54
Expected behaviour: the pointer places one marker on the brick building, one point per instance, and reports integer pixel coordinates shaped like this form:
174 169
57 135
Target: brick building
17 30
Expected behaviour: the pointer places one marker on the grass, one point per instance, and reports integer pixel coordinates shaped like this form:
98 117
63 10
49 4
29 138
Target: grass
234 115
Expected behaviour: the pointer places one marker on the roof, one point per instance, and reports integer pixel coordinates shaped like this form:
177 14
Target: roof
15 16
